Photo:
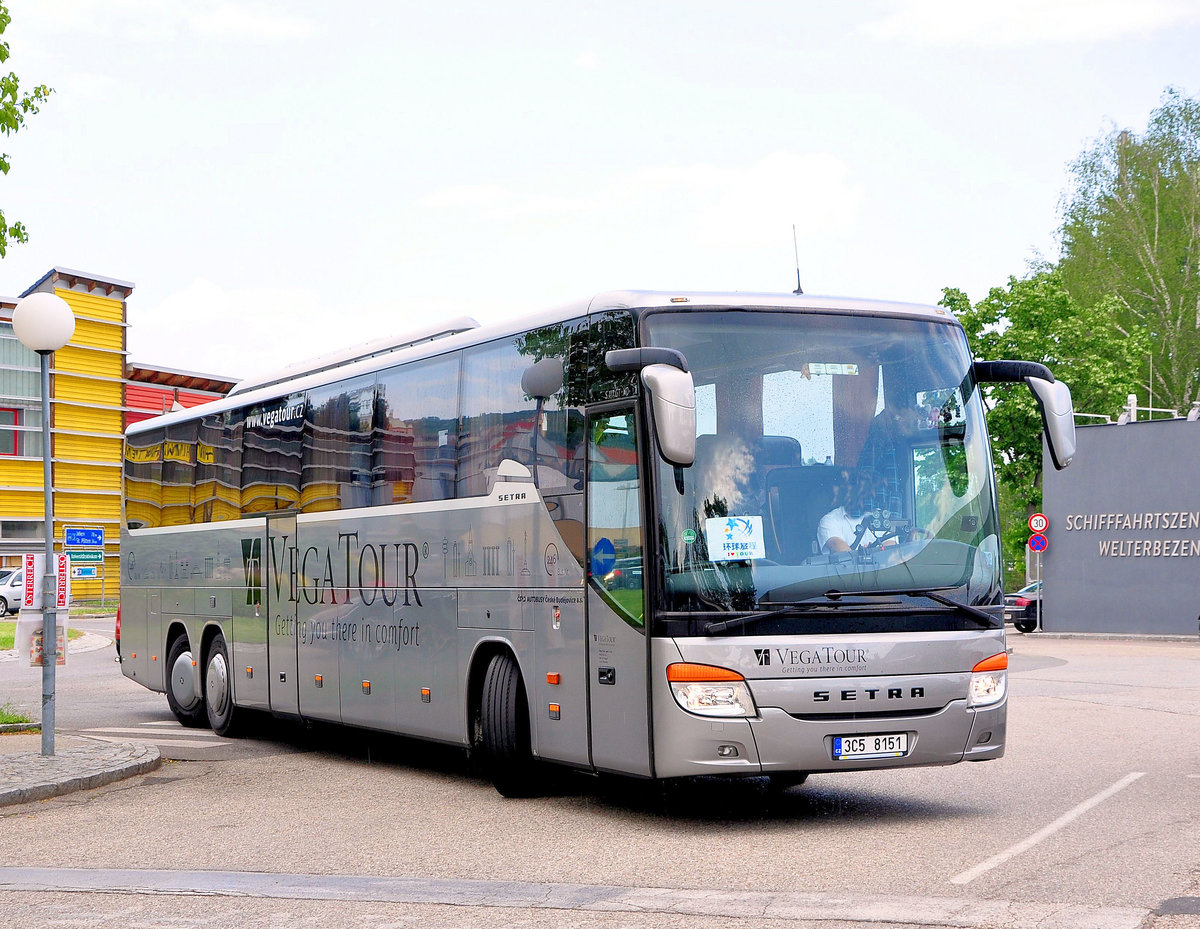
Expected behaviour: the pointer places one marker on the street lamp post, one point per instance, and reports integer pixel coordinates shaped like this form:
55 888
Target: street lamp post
44 323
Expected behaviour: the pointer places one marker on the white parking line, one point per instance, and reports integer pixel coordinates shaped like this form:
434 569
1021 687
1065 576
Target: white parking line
199 737
967 876
162 740
141 730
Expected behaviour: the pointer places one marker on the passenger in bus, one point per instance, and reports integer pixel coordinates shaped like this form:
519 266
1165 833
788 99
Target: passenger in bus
891 433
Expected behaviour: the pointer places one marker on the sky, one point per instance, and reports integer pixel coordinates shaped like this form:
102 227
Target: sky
281 179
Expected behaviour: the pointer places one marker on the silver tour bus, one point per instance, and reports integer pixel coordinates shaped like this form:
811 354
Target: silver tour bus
659 535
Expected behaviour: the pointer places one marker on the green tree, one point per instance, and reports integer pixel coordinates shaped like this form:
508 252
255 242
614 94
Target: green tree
1131 231
1035 319
15 107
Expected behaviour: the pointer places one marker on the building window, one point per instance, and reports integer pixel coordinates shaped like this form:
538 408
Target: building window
20 432
22 529
10 439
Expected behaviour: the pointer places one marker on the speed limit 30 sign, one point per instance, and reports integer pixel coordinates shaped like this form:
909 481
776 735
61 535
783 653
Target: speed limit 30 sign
1038 522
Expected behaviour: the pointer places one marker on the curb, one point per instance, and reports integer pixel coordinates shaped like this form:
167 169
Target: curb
73 769
20 727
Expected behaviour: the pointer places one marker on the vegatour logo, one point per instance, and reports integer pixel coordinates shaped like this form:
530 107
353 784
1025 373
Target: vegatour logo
763 656
354 568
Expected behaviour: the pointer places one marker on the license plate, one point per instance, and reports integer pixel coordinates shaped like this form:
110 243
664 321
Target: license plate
888 745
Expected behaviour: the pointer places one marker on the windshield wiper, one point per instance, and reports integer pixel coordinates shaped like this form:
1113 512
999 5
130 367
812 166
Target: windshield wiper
738 621
981 617
832 599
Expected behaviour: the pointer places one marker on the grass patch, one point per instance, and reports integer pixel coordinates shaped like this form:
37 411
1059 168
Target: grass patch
8 635
9 716
84 607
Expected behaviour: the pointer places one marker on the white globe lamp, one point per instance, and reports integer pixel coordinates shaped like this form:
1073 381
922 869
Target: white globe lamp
43 322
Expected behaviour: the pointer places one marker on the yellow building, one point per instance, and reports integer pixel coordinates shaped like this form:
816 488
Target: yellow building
87 415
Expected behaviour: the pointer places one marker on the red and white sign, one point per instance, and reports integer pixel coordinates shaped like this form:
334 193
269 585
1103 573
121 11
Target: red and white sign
62 584
35 576
30 578
1038 522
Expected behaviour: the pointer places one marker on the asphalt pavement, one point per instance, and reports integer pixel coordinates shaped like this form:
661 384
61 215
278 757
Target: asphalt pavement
78 763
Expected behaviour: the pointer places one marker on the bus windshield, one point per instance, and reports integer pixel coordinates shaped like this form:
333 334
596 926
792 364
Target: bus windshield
841 464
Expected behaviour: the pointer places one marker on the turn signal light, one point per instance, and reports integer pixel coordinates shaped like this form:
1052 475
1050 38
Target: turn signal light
685 672
995 663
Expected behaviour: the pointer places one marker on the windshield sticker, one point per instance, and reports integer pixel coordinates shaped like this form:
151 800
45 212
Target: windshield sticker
814 368
689 536
735 538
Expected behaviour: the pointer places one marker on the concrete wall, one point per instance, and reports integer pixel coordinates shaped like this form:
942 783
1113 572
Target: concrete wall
1124 536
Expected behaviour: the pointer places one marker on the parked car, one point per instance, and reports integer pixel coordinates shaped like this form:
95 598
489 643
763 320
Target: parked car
626 574
12 590
1022 608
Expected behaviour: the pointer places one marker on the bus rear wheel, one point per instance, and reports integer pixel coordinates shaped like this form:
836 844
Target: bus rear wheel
223 716
183 691
505 754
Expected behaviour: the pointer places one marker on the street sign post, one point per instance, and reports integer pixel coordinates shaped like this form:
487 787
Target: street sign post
1037 545
86 557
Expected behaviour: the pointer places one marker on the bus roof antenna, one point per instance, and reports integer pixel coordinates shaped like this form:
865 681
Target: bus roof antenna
795 245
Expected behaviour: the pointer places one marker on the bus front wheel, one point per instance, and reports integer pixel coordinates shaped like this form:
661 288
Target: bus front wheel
223 716
505 754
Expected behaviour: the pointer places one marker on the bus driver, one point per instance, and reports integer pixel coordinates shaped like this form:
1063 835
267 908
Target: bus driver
838 530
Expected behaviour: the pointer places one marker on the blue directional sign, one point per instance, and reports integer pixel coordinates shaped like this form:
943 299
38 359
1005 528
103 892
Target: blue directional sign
92 536
1037 542
604 556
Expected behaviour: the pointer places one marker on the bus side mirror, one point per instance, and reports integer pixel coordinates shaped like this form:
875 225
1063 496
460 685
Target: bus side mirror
672 394
673 399
1053 399
1058 418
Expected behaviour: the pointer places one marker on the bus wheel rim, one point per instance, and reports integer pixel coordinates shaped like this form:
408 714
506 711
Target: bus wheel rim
183 683
218 681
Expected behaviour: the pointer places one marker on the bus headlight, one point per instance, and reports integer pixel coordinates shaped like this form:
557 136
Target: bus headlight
989 681
710 691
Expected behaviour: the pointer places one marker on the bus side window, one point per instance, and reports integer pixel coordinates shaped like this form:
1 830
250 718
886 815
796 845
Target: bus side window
499 419
143 479
179 473
337 446
615 515
272 454
416 431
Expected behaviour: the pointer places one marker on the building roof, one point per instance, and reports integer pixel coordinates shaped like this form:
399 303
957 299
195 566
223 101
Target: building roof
71 278
170 377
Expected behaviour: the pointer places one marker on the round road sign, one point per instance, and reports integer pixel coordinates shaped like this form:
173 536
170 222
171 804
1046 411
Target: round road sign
1038 523
1037 542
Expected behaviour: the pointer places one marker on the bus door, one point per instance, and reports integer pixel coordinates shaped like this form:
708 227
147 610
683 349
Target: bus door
618 697
281 596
